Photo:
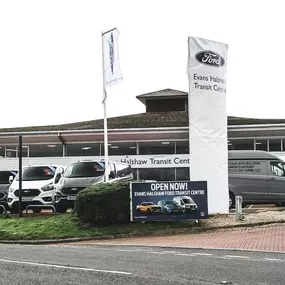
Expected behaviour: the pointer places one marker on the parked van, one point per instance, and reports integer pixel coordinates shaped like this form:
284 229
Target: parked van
186 202
79 175
6 177
38 184
257 176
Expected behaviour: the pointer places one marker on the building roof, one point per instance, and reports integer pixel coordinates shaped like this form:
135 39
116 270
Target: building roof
162 94
142 120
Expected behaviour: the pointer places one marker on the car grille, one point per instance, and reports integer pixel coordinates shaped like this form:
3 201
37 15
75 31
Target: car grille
72 190
28 192
2 195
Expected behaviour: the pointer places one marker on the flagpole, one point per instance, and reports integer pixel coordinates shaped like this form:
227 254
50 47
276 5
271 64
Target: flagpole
105 116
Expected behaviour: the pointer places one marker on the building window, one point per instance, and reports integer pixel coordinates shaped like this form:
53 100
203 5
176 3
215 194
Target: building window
2 151
164 147
120 148
87 149
182 174
46 150
246 144
182 147
13 151
274 144
261 144
159 174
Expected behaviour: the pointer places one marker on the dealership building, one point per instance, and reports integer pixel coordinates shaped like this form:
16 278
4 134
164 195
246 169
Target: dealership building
155 143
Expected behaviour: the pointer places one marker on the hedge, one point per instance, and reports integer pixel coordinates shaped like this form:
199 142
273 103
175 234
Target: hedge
104 204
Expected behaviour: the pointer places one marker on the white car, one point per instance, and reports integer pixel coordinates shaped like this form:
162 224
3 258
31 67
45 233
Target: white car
38 187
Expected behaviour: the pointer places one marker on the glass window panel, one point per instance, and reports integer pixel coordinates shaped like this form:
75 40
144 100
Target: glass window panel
164 147
182 174
246 144
274 144
43 150
182 147
11 151
87 149
261 144
159 174
120 148
2 151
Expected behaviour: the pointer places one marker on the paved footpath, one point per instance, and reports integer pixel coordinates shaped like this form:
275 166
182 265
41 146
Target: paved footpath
263 238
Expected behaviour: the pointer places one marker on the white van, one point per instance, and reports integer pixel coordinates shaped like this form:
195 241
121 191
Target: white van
81 174
186 202
38 184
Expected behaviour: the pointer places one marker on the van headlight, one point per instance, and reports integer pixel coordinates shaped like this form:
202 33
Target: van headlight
48 187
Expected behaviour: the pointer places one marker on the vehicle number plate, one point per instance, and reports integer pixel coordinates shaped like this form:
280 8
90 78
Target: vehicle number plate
27 199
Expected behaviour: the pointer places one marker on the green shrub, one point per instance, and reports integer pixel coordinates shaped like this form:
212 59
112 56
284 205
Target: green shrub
104 204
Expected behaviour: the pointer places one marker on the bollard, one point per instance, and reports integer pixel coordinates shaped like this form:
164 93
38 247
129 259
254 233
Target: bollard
238 204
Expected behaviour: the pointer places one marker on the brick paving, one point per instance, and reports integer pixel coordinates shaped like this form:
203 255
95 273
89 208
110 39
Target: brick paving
263 238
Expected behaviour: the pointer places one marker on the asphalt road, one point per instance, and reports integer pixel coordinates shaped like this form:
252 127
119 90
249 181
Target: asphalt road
71 264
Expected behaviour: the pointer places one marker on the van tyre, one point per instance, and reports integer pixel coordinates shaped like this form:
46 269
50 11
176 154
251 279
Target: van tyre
231 201
14 211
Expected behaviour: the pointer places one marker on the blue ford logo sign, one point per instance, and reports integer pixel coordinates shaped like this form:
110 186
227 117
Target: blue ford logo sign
210 58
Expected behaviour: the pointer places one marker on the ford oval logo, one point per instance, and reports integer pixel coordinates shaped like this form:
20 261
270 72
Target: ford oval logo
74 189
210 58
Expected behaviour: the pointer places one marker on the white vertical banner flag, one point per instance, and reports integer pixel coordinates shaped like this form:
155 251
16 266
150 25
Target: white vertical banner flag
207 68
112 70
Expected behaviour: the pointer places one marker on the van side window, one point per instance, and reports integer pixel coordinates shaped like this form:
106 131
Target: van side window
277 168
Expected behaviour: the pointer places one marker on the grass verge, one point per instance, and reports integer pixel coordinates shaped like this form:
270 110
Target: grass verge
67 226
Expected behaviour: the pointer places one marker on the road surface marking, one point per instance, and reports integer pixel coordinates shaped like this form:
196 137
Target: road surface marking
205 254
185 254
236 256
64 266
170 251
273 259
156 252
126 250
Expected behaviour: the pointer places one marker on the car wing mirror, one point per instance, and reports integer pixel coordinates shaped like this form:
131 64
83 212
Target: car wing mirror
11 179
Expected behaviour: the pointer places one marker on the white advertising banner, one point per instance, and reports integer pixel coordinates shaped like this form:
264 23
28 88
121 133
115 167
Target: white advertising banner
112 69
207 68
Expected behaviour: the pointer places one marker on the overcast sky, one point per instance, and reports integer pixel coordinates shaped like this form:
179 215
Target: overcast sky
50 55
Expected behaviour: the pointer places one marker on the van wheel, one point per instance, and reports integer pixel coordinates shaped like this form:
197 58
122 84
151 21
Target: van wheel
231 201
14 211
280 204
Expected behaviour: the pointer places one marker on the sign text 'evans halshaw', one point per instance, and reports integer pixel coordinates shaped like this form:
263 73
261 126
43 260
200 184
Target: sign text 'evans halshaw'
168 200
207 70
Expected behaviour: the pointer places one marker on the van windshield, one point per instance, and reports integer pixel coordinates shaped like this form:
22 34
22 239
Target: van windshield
84 169
187 200
37 173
